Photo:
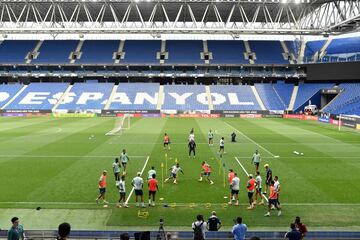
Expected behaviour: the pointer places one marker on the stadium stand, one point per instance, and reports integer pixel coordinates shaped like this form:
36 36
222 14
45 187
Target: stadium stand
39 96
15 51
7 92
311 48
98 51
347 102
135 96
306 92
50 52
268 52
185 97
284 90
87 96
227 52
141 51
269 97
184 51
239 97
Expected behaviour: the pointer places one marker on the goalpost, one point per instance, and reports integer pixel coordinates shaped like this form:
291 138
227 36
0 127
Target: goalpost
121 124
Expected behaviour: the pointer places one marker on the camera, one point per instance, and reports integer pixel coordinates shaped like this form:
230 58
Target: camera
161 222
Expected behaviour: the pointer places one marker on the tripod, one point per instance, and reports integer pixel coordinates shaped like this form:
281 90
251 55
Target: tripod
161 233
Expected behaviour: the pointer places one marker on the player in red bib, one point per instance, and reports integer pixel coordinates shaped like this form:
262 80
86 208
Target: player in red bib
102 187
205 171
166 142
251 189
273 200
231 175
153 187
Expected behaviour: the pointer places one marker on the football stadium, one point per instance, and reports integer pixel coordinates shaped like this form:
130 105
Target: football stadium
180 119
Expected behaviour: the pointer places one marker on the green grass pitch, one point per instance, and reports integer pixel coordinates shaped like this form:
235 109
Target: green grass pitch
52 163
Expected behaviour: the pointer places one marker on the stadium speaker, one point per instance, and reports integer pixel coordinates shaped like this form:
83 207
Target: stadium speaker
206 56
250 57
142 235
162 56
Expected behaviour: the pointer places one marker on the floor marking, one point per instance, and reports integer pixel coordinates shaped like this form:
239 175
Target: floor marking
248 138
142 171
247 174
64 156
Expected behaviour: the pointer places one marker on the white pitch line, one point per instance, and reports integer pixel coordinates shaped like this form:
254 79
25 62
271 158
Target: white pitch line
64 156
247 174
248 138
184 204
142 170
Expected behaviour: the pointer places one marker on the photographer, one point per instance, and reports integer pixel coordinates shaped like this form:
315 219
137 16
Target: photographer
239 229
199 228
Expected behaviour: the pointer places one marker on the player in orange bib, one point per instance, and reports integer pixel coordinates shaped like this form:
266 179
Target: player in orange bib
231 175
102 188
273 200
166 142
205 171
153 187
251 189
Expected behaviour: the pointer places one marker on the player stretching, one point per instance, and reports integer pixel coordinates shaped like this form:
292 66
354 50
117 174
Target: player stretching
258 188
268 177
116 169
122 192
256 158
138 183
251 188
166 142
211 137
222 147
153 186
102 187
192 146
273 200
231 176
206 171
174 170
235 187
124 159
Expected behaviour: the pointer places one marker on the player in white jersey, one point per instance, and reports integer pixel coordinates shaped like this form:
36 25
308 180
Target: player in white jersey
222 146
173 172
121 186
211 137
235 188
138 184
151 172
256 158
191 135
277 188
258 180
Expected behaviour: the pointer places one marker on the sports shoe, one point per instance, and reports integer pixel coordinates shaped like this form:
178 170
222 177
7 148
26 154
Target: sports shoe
153 204
237 203
106 202
267 215
279 213
250 208
230 203
211 183
200 179
126 206
261 203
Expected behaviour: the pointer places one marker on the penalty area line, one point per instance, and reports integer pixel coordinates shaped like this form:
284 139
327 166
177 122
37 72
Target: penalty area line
247 174
142 171
251 140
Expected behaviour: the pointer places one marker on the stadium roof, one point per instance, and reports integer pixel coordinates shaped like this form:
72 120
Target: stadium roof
295 17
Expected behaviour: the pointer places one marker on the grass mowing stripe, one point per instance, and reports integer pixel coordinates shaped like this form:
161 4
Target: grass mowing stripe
65 156
142 171
251 140
247 174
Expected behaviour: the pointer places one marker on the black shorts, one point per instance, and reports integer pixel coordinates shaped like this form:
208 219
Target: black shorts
256 164
210 139
122 194
259 190
152 193
138 192
268 182
250 195
221 147
273 202
102 190
234 192
207 174
166 144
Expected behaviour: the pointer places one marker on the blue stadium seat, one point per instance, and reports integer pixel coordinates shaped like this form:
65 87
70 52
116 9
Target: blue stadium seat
136 96
344 45
184 51
311 48
98 51
39 96
14 51
227 52
56 51
270 98
237 97
284 90
306 91
347 102
268 52
7 92
141 51
190 97
87 96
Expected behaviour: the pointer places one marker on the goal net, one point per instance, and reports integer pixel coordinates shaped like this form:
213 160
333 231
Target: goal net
120 125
